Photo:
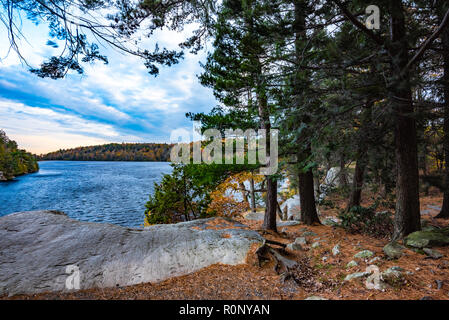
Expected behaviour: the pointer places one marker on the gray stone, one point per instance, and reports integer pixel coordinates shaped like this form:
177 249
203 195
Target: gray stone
316 245
315 298
434 254
309 234
2 176
352 264
331 221
357 275
336 250
423 239
36 248
301 240
287 223
294 246
393 250
292 208
392 275
364 254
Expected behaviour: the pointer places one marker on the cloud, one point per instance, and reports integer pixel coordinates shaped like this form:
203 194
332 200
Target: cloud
117 102
42 130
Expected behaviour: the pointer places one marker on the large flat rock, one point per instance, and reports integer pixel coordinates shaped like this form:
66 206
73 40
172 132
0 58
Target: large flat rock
37 247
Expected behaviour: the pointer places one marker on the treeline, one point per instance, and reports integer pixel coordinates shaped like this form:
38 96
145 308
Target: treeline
14 162
114 152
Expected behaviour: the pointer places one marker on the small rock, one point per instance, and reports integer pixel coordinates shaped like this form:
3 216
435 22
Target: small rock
324 259
373 260
393 250
336 250
418 269
433 254
393 275
364 254
331 221
309 234
315 298
356 275
396 268
316 245
352 264
294 246
439 284
301 240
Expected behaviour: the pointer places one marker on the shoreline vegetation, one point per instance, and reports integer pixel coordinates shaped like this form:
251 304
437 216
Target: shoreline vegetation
154 152
14 162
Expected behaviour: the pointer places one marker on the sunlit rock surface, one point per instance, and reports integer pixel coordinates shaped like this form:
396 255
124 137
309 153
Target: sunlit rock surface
38 248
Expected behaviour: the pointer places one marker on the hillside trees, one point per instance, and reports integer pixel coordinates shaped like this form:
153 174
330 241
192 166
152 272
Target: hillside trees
13 161
114 152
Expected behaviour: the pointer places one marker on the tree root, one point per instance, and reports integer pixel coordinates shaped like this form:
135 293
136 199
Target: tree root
289 269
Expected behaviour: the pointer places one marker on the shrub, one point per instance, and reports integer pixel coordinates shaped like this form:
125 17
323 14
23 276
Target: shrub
367 221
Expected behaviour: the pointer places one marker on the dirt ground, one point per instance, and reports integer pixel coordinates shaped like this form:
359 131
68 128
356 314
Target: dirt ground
424 277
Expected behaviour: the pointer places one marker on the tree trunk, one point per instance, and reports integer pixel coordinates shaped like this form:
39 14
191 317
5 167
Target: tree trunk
309 215
357 183
306 190
271 200
445 42
253 195
244 193
343 176
269 222
407 216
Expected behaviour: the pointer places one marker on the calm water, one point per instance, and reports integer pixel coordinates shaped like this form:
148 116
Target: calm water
111 192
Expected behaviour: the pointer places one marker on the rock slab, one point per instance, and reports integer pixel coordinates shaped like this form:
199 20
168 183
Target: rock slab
37 249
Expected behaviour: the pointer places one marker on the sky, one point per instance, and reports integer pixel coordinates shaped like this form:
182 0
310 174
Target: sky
117 102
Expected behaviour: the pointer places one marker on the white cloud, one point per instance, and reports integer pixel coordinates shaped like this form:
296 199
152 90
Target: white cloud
42 130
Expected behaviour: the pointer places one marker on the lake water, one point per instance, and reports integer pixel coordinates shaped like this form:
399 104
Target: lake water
108 192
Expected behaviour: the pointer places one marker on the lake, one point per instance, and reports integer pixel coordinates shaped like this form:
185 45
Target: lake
108 192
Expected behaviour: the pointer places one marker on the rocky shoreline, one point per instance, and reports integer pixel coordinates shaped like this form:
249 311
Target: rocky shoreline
42 250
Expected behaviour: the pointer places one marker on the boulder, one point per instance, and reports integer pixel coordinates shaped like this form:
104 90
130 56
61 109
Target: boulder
351 264
309 234
331 181
331 221
301 240
40 250
294 246
393 250
364 254
292 208
433 254
2 176
423 239
393 276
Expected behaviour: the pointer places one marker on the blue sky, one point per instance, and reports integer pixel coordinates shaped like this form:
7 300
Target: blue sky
118 102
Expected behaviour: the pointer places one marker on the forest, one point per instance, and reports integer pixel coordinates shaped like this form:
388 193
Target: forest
13 161
113 152
343 93
359 92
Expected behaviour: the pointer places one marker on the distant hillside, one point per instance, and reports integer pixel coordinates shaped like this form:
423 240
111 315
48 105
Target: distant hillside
13 161
114 152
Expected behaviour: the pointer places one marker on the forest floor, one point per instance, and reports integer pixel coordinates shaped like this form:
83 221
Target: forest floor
423 277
